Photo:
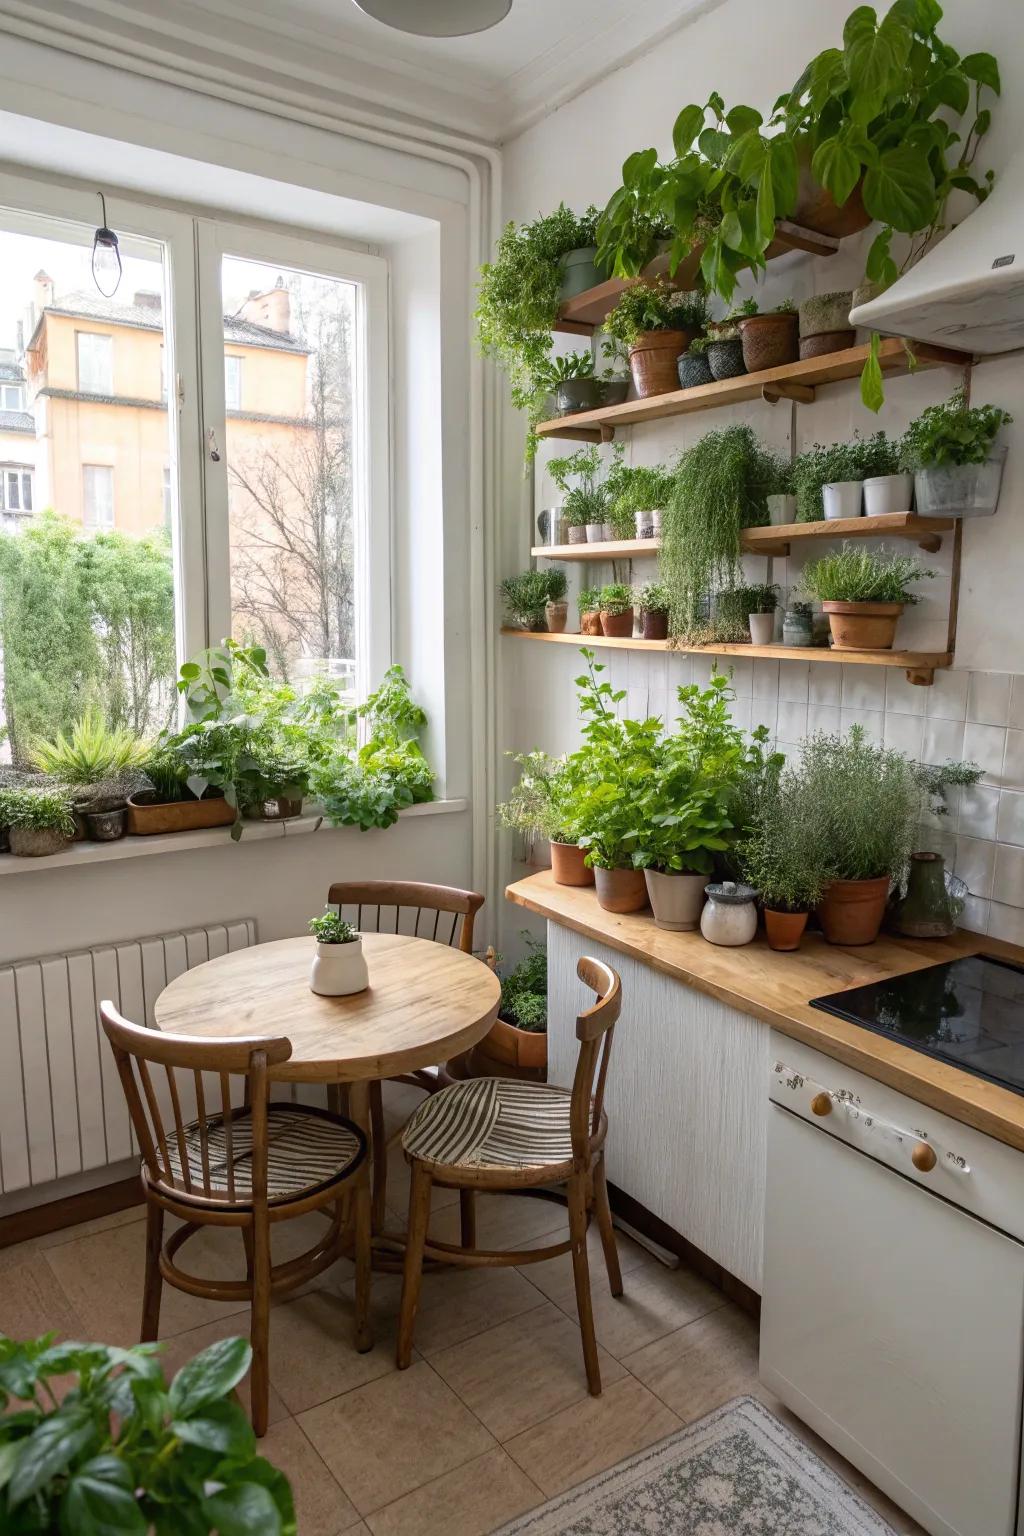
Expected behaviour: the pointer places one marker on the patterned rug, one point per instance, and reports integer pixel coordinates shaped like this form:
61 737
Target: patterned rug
739 1472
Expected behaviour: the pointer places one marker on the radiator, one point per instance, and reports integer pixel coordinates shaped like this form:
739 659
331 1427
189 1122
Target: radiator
62 1107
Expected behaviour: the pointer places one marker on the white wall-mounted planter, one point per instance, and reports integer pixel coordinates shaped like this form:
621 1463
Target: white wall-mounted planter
762 628
339 969
843 499
888 493
959 490
781 509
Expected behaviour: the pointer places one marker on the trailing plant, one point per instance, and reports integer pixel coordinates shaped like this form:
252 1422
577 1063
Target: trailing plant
653 307
936 778
525 596
616 597
719 489
860 804
856 575
122 1452
524 990
781 857
954 433
654 597
332 929
38 810
93 750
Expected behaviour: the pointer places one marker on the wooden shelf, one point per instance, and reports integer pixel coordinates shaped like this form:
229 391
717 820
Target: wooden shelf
775 540
606 549
920 666
792 381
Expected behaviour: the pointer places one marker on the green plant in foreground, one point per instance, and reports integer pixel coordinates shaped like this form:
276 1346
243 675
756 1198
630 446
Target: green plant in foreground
615 598
92 752
652 307
954 433
124 1454
857 575
39 810
524 990
332 929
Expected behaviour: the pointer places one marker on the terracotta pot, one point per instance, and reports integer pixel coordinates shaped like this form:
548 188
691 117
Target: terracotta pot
676 900
652 361
769 341
621 890
784 929
851 911
863 626
36 842
516 1047
828 341
178 816
590 623
567 865
817 209
557 615
619 625
655 625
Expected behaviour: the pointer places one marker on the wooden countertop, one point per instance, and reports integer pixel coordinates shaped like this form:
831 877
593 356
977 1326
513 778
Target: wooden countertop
778 987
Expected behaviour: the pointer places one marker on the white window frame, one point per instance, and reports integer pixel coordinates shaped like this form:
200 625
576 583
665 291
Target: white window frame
6 386
100 524
91 336
236 369
22 476
372 519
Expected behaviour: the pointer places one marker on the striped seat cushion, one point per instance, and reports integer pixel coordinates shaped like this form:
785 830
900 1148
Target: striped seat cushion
491 1122
307 1150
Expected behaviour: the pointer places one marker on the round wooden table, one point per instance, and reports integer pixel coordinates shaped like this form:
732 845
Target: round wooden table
425 1003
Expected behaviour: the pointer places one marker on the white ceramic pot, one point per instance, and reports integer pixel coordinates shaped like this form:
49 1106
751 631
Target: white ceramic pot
842 499
888 493
339 969
781 509
595 533
762 628
644 524
656 523
676 900
607 532
729 917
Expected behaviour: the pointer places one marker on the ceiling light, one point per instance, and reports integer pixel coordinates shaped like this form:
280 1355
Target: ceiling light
437 18
106 258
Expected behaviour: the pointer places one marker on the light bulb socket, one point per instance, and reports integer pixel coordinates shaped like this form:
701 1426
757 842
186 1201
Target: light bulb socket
106 260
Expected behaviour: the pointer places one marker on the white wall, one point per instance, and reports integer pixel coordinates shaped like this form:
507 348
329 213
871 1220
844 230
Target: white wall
750 52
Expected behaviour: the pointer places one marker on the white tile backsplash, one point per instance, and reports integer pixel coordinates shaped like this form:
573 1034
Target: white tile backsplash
943 741
988 698
873 721
905 733
824 717
766 678
825 685
792 721
979 807
1006 922
975 864
985 745
902 696
1015 719
1013 760
794 681
1010 820
947 696
863 689
1008 879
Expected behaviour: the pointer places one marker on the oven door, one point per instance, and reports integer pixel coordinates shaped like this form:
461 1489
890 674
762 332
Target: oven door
893 1324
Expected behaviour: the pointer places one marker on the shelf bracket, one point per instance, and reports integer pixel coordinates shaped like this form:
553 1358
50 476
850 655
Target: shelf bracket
931 543
607 432
779 551
773 393
921 677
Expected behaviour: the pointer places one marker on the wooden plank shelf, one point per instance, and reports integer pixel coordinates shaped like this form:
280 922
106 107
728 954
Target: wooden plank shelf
920 666
605 549
791 381
775 540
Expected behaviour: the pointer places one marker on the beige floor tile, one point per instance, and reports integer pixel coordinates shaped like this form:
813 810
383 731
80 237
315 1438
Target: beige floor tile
383 1440
554 1276
455 1304
182 1346
702 1365
16 1253
592 1435
522 1371
32 1301
657 1301
505 1221
470 1501
312 1354
321 1507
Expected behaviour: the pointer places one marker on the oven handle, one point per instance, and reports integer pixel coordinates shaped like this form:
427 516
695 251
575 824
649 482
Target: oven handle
924 1152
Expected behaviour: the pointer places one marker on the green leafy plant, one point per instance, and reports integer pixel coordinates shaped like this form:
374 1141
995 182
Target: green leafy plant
525 596
638 488
586 501
616 597
167 772
558 585
954 433
92 752
719 489
936 778
734 605
699 346
559 370
542 802
860 804
778 474
524 990
332 929
37 810
654 597
853 574
367 787
587 599
619 757
653 307
819 466
781 856
121 1453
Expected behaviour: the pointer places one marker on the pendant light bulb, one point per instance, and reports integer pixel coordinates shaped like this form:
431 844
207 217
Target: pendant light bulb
106 257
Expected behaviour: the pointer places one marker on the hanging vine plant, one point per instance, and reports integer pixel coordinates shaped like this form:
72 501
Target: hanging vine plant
721 487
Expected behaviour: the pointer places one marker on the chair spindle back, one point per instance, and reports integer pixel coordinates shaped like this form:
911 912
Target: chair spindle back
594 1030
440 913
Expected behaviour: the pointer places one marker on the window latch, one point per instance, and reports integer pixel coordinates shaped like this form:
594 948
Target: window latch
180 391
211 438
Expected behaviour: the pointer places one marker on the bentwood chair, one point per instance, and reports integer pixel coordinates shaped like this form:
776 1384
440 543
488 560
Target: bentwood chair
243 1161
441 913
494 1134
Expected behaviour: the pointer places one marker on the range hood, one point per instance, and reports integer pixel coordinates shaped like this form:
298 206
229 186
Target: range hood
969 291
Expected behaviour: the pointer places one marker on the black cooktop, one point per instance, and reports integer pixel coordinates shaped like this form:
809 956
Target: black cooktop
968 1012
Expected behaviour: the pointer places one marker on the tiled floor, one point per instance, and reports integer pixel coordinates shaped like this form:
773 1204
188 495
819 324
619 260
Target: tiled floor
492 1418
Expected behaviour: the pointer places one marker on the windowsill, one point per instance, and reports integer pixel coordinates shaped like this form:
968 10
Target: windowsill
84 855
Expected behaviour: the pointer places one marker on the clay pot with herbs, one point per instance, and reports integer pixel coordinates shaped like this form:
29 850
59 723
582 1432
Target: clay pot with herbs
784 930
621 890
653 358
568 864
851 911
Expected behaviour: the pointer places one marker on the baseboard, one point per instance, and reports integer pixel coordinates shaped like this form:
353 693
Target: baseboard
660 1232
87 1205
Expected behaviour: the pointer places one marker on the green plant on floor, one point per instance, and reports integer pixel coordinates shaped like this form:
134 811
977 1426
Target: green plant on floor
653 597
615 598
517 303
37 810
719 490
781 855
954 433
93 751
853 574
332 929
524 597
860 804
524 990
639 488
653 307
121 1453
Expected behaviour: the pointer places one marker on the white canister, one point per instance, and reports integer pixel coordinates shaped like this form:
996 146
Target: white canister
730 916
655 517
644 524
762 628
595 533
339 969
888 493
842 499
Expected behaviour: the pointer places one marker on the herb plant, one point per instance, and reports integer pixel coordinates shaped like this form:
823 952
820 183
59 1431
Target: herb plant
653 307
332 929
734 606
92 752
641 488
524 990
571 365
857 575
781 855
620 757
954 433
858 459
615 598
525 596
542 803
39 810
121 1453
860 804
586 500
587 599
653 598
366 787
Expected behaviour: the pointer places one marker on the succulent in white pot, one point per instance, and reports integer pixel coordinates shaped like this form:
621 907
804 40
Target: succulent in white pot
339 965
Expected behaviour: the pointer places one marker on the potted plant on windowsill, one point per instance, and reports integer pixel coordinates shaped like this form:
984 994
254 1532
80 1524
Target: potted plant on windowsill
652 603
864 593
38 821
168 805
771 338
274 788
588 603
957 465
656 324
781 859
615 602
339 965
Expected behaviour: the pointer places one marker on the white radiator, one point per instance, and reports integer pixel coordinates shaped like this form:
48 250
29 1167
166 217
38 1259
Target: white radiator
62 1107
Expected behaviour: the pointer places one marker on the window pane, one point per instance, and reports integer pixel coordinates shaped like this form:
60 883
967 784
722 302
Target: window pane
87 605
290 468
232 383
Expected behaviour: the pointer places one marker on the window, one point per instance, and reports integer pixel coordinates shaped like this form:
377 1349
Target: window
16 490
98 495
95 363
232 383
168 498
12 397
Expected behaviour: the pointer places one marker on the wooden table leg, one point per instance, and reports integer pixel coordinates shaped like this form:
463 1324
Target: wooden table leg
359 1110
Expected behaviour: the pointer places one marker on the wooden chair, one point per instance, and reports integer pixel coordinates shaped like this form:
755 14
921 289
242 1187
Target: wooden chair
424 912
499 1135
246 1163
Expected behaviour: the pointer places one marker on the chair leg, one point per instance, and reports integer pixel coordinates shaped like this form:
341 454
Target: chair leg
362 1225
247 1244
581 1275
467 1217
603 1212
412 1275
154 1280
379 1148
260 1325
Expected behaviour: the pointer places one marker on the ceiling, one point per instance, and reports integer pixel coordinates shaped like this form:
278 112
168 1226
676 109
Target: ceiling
492 84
